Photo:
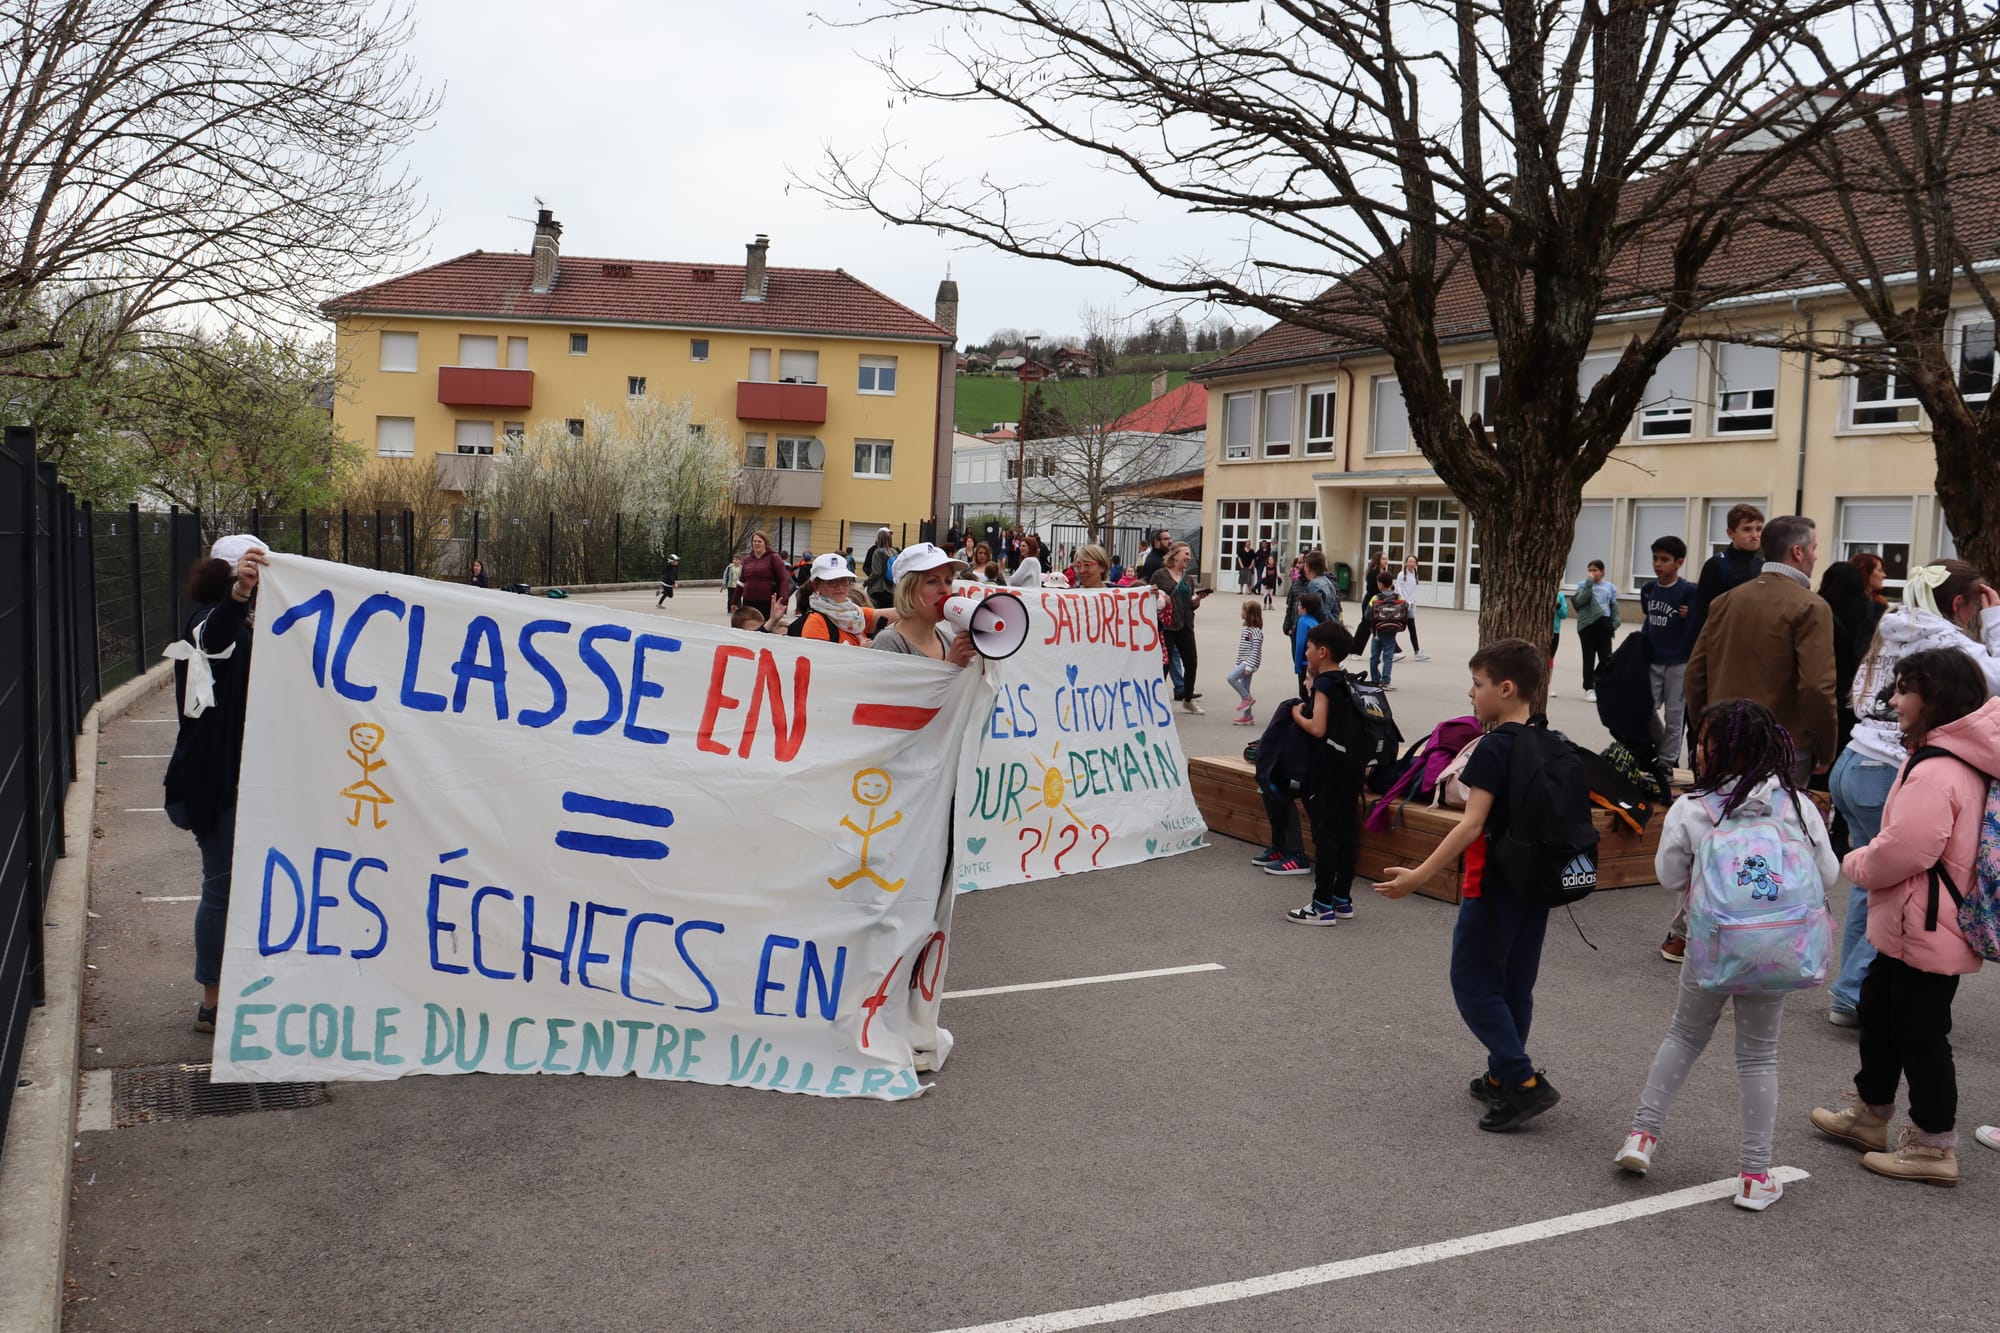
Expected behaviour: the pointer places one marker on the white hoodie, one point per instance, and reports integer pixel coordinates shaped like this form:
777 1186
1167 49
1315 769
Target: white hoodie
1689 825
1905 630
1406 586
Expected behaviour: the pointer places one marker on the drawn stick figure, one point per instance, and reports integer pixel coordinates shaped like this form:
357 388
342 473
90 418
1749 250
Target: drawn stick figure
366 738
871 790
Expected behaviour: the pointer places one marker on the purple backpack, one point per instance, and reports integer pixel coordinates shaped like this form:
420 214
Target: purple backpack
1446 740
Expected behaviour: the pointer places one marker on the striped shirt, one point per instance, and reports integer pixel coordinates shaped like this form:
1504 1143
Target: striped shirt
1250 648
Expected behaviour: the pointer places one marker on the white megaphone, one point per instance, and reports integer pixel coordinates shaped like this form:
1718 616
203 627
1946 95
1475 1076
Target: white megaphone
998 622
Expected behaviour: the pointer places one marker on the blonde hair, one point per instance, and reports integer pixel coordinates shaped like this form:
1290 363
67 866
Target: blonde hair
1175 550
906 601
1096 555
1253 614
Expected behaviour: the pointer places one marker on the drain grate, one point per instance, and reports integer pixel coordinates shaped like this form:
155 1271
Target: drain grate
153 1093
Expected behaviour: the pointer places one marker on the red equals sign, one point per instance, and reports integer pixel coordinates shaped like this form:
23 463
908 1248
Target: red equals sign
893 717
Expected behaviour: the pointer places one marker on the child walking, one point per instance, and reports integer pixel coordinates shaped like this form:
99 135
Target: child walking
1249 656
1746 770
1333 791
1496 945
1915 870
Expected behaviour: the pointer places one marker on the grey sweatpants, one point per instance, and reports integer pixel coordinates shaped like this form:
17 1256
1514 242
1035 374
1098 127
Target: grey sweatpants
1695 1016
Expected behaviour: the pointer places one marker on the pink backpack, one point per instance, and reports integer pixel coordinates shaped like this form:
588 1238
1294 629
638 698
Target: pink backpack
1425 771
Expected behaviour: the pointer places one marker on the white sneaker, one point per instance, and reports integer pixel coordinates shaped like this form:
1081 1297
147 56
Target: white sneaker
1988 1135
1757 1195
1423 657
1590 696
1191 706
1637 1154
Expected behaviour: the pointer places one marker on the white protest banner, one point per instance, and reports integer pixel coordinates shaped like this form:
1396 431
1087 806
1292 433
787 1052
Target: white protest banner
1079 766
485 832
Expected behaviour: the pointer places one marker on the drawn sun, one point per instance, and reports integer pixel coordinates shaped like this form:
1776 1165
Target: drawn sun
1054 793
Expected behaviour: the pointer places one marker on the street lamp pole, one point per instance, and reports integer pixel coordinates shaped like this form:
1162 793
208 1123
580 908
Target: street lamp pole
1021 430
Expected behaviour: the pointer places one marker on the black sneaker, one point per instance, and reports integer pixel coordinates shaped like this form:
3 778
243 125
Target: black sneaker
1483 1088
1513 1107
204 1018
1269 856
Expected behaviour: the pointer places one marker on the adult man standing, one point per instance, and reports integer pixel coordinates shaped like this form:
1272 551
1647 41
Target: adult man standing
1156 555
1771 640
1731 567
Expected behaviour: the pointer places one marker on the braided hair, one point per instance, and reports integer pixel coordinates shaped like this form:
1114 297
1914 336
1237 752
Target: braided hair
1741 743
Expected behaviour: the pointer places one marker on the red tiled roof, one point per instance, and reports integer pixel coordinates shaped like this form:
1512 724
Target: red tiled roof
639 291
1183 409
1757 259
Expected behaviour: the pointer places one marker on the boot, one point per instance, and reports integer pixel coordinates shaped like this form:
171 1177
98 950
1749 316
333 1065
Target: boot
1914 1160
1854 1123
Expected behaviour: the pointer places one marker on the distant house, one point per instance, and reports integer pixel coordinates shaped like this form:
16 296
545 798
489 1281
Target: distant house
976 363
1010 360
1074 362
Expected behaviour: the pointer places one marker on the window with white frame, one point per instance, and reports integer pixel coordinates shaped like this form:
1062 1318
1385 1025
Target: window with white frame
395 437
1717 524
1668 407
1389 432
517 354
697 349
574 425
1746 389
961 471
1975 356
480 351
1879 397
871 458
635 386
1237 410
1489 394
513 434
799 453
798 367
1320 399
1879 527
760 365
579 344
878 374
1277 423
1947 541
1591 542
1652 520
399 352
1274 524
473 437
756 449
1233 529
1308 525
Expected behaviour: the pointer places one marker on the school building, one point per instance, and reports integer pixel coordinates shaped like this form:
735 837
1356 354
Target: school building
838 399
1310 445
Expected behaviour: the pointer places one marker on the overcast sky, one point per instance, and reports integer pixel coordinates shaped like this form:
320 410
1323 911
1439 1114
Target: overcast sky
667 131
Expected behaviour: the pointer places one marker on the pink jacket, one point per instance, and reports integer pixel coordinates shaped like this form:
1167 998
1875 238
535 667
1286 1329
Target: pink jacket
1930 819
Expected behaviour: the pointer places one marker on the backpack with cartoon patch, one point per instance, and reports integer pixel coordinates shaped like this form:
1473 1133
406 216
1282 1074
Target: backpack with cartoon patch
1978 907
1757 918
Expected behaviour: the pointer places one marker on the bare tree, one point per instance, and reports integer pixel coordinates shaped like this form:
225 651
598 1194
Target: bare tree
159 157
1422 169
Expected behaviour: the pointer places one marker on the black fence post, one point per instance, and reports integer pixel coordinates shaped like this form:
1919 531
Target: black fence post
256 525
549 554
138 594
475 535
305 540
378 539
409 543
346 551
174 563
618 547
90 559
21 443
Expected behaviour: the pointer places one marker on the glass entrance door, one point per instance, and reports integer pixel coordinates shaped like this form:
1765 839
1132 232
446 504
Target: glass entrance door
1438 552
1274 524
1388 531
1471 564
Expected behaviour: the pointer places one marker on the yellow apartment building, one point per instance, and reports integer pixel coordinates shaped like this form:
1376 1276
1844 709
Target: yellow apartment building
838 399
1309 445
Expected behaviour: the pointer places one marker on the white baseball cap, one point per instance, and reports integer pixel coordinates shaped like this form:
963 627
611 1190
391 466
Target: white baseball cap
924 555
235 546
832 565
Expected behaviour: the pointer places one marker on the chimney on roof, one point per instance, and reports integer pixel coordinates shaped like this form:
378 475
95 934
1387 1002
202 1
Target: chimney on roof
1159 384
548 249
947 305
754 281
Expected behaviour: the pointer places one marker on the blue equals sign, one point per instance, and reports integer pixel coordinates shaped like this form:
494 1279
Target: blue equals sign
606 844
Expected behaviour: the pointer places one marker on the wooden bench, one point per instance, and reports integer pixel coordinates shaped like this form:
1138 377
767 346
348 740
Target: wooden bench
1225 789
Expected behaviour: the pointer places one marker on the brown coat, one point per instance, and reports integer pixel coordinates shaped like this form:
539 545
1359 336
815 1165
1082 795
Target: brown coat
1771 640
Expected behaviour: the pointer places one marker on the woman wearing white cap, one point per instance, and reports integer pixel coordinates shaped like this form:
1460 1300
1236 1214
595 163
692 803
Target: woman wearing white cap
832 614
211 678
923 580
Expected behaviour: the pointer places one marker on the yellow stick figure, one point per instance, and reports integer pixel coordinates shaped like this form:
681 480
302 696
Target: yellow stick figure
366 738
871 789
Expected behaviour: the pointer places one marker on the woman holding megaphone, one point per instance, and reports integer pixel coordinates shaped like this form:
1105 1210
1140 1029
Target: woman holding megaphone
923 575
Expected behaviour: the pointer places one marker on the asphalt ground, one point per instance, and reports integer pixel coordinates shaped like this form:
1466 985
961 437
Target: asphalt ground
1086 1145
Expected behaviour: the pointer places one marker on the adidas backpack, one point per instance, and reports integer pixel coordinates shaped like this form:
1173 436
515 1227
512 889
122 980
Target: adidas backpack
1978 909
1548 854
1756 915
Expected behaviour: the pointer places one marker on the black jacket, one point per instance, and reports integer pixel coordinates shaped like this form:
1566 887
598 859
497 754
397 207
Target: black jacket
208 752
1730 569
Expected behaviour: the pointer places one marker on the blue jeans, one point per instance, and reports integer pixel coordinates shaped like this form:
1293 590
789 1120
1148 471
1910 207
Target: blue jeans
1496 954
1859 786
211 915
1174 677
1381 657
1239 680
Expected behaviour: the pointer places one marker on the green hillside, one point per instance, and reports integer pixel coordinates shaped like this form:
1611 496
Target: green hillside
985 399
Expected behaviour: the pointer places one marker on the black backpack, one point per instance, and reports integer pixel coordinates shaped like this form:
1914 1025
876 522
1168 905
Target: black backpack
1364 733
1548 854
797 628
1283 754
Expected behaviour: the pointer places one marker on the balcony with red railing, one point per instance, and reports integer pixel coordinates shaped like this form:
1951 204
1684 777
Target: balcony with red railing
763 401
478 386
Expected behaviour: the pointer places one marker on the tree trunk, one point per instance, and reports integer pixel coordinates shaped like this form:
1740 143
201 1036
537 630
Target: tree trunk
1524 540
1968 488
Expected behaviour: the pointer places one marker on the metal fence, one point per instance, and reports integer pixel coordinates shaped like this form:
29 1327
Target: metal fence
1128 544
48 681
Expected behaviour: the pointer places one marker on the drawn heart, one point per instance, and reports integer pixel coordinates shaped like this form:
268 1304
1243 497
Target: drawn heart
1071 671
1152 846
975 845
1140 737
968 888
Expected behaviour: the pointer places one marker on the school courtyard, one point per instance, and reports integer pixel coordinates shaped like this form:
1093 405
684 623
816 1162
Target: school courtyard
1271 1132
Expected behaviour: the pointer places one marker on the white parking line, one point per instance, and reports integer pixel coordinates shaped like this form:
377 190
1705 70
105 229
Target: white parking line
1320 1274
180 898
1084 981
145 809
145 756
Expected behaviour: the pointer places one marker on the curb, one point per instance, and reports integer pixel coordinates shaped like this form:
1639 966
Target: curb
41 1134
650 585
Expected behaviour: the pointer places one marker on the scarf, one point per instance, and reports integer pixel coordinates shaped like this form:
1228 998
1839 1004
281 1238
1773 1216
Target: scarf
846 616
200 676
1921 588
